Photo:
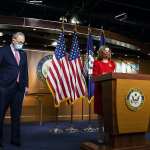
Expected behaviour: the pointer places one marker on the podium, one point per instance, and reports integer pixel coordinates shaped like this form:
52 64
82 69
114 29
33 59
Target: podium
126 109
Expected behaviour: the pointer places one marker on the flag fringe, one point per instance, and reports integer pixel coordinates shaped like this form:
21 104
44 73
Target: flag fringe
60 102
91 99
68 100
53 93
76 100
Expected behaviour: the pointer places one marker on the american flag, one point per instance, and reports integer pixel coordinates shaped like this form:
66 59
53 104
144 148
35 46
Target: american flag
78 84
89 68
58 77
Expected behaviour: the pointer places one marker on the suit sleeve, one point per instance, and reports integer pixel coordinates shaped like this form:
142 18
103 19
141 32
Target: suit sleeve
1 55
26 71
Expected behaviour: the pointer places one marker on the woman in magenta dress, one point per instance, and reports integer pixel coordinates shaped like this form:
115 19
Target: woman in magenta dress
102 65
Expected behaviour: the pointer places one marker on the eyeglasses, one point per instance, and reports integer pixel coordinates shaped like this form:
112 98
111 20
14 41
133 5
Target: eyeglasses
20 42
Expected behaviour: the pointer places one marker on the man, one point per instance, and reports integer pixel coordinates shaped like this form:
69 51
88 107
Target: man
13 84
102 65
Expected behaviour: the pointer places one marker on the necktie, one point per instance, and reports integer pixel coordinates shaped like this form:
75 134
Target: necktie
17 56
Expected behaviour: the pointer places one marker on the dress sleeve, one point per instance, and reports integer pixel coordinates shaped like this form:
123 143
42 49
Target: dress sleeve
113 66
95 68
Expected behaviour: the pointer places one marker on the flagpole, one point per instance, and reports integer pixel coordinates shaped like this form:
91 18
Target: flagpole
56 116
82 109
71 129
89 114
83 98
57 130
89 128
71 114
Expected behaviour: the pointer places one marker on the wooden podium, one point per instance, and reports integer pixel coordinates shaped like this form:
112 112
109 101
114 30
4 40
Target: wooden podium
126 108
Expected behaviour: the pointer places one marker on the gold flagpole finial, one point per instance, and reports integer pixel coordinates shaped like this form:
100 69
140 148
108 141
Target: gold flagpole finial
62 26
75 27
102 30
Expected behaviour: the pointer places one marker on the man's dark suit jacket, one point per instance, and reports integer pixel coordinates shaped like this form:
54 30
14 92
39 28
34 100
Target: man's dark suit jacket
9 68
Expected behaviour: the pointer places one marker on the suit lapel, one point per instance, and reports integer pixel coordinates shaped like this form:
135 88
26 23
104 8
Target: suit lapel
21 53
12 55
21 58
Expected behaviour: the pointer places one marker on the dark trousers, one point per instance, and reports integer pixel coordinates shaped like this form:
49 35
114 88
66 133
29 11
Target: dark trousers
11 97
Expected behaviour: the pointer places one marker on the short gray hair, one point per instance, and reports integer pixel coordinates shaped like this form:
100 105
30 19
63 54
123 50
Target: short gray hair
15 35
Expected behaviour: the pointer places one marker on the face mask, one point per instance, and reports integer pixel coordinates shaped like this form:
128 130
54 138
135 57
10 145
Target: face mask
106 54
18 46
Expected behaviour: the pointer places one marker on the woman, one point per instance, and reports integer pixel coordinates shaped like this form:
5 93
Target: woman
102 65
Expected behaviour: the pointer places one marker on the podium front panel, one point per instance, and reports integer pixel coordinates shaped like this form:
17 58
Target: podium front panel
132 105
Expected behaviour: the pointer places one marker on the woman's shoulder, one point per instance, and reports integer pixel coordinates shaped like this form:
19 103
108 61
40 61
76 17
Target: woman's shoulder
96 61
112 62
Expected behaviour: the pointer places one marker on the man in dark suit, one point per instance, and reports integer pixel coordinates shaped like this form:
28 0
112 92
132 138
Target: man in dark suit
13 84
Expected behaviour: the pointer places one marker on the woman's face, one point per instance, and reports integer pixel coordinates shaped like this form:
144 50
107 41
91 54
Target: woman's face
105 54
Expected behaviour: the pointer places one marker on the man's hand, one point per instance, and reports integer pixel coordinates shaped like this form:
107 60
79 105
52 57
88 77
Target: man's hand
26 90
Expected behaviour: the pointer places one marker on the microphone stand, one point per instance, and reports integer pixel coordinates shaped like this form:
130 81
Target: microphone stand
89 128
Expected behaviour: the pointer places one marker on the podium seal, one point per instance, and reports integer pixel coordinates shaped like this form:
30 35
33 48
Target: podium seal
135 99
42 67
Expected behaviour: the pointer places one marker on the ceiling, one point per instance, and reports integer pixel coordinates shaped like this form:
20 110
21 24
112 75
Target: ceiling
97 13
126 17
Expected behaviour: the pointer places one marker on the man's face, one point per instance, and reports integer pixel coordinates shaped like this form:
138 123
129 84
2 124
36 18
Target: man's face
18 42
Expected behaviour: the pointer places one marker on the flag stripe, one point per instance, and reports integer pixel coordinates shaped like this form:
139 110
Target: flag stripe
57 83
65 73
51 78
80 79
75 64
60 74
55 68
73 82
66 77
79 85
